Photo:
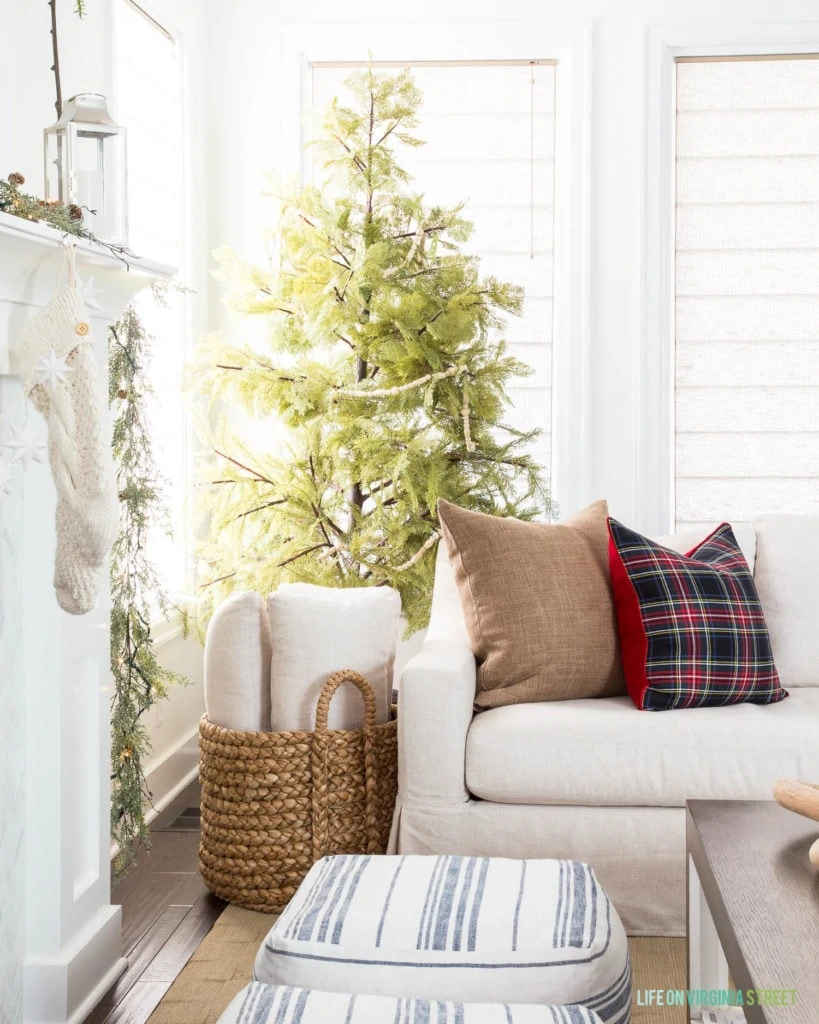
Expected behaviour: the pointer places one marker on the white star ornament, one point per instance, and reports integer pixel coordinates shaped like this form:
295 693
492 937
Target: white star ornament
26 446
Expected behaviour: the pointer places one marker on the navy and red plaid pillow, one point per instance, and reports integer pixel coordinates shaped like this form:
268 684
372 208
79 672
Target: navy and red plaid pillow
692 632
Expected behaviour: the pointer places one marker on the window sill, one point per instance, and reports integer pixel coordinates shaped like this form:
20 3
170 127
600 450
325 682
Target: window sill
165 630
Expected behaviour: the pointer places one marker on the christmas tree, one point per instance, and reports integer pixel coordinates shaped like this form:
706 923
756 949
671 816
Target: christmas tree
377 385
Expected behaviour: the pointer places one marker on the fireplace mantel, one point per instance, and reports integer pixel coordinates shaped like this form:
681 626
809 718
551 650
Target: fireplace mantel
59 933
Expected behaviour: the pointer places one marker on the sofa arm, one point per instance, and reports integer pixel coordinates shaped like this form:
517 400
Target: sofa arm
436 697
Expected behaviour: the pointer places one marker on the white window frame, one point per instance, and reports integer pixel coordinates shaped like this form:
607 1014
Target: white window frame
664 43
570 45
163 630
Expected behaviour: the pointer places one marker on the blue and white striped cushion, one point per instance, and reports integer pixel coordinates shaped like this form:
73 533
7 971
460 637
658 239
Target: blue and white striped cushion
468 929
280 1004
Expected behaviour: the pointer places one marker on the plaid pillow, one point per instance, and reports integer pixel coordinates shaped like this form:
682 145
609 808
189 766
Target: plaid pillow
692 632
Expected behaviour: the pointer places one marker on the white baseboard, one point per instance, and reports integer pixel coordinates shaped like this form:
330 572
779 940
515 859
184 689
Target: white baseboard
90 1002
173 773
66 987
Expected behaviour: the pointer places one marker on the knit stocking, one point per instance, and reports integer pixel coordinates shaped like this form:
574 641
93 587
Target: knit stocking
55 359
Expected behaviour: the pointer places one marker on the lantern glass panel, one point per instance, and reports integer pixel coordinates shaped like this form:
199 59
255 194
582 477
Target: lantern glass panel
97 180
56 184
85 165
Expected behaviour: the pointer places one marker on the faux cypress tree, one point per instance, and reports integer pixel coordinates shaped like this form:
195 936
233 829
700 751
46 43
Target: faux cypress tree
377 385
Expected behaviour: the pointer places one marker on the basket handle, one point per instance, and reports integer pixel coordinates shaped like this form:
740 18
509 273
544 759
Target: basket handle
346 675
321 776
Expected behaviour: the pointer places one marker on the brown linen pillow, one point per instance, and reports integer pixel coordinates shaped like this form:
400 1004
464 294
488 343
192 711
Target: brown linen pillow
538 604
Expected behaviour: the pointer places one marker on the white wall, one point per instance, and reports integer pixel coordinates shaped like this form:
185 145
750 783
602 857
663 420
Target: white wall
25 53
172 724
253 94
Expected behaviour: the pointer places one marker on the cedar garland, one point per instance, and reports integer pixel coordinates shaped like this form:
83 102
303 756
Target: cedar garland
138 678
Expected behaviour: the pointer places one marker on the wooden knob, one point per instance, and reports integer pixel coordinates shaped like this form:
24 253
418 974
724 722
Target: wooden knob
801 797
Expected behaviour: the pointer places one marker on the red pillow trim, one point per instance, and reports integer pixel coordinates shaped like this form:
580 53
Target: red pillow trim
633 639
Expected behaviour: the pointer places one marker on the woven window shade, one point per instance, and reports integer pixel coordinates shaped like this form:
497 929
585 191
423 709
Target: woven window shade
747 289
489 132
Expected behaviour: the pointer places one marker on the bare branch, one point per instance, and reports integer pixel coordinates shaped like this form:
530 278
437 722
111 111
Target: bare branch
301 554
267 504
241 465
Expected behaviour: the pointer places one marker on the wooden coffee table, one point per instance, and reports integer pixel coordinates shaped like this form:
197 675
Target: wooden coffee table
753 906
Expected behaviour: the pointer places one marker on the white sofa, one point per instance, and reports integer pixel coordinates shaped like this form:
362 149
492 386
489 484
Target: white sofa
599 780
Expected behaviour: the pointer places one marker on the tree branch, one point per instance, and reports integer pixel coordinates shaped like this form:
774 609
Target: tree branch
356 159
267 504
412 234
55 67
241 465
389 131
219 579
301 554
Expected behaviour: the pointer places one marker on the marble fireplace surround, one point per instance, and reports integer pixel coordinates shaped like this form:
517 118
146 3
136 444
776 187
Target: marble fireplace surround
59 933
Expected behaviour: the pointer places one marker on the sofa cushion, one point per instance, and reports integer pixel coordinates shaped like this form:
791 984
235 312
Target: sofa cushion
538 604
787 580
606 752
692 631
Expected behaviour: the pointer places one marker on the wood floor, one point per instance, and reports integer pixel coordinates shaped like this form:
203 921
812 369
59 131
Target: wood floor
166 912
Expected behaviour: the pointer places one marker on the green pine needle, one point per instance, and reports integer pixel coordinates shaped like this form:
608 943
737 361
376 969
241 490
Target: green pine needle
139 680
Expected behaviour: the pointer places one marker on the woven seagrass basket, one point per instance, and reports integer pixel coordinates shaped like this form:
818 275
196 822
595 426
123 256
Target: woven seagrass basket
273 803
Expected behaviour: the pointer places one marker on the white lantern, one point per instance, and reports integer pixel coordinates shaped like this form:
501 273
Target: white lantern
85 165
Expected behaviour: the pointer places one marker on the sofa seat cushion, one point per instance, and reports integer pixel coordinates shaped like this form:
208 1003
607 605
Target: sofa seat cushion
606 752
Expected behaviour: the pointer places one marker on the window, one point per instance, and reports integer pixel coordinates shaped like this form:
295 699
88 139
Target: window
747 288
149 102
489 129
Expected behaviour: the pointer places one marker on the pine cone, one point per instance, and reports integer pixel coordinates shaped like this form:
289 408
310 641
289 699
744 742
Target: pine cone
75 212
16 179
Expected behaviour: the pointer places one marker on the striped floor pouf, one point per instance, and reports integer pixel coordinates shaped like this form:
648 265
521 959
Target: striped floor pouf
280 1004
464 929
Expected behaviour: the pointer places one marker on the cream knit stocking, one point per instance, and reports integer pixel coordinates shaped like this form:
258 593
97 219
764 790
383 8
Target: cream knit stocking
54 357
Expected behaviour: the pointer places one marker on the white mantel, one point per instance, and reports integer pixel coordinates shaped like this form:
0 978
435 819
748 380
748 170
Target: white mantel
59 933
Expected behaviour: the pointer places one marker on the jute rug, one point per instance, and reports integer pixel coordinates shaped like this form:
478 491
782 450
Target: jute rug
222 965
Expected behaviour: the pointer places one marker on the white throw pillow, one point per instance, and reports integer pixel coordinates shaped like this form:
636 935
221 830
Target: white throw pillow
787 581
315 631
237 664
686 540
